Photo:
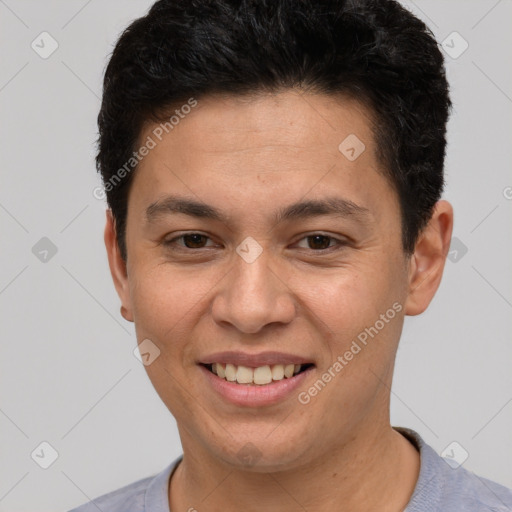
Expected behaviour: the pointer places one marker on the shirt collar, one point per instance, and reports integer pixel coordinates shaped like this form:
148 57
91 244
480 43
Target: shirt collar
157 493
429 486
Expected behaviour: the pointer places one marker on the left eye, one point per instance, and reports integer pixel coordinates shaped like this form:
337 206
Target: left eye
320 242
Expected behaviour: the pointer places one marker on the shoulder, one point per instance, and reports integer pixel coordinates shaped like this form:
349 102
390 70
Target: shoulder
146 495
129 498
464 491
448 487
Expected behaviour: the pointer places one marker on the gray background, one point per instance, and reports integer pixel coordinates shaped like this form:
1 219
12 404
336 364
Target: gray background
68 373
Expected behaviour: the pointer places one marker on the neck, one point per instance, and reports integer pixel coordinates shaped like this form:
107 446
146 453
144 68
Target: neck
376 470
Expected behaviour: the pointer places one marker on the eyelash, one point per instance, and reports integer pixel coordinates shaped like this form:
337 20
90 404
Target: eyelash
339 243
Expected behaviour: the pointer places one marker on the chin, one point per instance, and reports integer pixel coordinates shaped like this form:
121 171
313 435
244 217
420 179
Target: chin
260 455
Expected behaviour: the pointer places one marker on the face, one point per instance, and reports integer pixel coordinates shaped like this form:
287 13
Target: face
293 256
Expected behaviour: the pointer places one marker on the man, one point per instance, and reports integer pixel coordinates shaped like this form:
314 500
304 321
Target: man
273 170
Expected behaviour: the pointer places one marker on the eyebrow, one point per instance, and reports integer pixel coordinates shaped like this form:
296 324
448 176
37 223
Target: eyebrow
334 206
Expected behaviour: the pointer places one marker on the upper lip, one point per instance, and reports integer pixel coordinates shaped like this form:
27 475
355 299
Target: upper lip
254 360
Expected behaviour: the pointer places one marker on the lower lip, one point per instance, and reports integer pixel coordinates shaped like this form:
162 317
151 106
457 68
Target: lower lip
255 395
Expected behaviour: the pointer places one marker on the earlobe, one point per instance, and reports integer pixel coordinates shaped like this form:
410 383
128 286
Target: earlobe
117 266
427 262
125 314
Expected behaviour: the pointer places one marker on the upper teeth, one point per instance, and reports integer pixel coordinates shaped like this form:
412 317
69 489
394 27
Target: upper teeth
261 375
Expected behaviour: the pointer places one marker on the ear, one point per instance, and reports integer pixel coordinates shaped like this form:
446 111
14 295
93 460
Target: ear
427 263
117 267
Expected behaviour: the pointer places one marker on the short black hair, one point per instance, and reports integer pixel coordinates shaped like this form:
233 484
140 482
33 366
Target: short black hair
373 50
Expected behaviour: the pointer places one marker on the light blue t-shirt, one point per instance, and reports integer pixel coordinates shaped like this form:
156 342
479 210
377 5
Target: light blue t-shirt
440 488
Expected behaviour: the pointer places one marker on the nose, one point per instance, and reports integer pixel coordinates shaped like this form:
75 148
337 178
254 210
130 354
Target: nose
252 296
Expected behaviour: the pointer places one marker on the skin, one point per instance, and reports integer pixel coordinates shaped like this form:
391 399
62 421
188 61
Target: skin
249 157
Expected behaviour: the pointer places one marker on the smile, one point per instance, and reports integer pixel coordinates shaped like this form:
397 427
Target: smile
259 376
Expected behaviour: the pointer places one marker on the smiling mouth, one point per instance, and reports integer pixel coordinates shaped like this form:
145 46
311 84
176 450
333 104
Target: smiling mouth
260 376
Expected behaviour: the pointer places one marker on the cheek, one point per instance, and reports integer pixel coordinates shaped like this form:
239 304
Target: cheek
165 300
350 302
166 304
347 296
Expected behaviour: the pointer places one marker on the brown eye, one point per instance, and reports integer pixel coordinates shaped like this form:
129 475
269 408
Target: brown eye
319 241
189 241
194 240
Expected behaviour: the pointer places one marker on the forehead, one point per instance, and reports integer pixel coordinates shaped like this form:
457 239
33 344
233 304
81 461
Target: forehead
288 118
259 149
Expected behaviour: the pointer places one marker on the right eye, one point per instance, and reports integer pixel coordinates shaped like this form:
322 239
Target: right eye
190 241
